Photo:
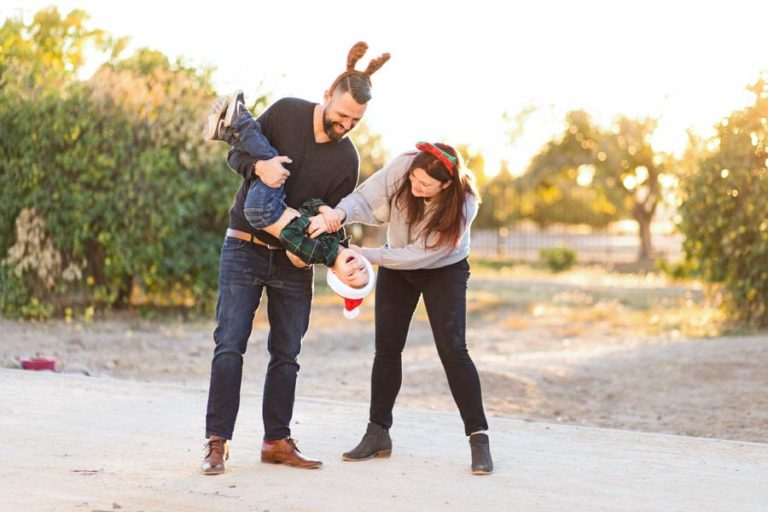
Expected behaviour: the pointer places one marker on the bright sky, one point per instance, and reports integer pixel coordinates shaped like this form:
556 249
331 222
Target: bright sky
458 66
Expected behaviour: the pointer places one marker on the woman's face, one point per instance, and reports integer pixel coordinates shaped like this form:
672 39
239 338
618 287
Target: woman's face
424 185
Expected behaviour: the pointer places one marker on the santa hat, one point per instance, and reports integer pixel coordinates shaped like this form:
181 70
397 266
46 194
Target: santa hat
353 297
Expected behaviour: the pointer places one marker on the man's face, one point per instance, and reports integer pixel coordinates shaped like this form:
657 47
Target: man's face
350 269
341 113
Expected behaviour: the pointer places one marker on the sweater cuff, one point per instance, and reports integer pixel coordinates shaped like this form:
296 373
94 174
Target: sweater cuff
373 255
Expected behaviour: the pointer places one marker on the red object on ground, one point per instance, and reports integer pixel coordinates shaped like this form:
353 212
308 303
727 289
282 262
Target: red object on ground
39 364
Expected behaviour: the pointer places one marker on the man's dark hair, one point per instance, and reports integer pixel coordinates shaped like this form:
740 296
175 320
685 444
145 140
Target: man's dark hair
358 85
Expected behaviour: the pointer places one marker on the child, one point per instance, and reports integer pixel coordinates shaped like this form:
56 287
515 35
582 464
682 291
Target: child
265 206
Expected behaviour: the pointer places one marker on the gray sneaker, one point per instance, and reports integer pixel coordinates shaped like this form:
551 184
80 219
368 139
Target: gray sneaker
375 443
214 123
235 107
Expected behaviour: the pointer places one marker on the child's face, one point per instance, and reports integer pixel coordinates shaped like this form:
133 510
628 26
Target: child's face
350 269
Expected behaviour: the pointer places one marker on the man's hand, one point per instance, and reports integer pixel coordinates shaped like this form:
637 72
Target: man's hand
296 260
271 172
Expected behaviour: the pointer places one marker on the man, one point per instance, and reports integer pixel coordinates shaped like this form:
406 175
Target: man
320 162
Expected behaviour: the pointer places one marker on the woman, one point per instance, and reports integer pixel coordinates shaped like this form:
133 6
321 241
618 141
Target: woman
429 201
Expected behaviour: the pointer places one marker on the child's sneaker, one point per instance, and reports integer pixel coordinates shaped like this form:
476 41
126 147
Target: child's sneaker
214 123
235 108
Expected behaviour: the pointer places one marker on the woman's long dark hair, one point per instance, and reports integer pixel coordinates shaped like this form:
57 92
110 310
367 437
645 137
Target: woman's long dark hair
448 216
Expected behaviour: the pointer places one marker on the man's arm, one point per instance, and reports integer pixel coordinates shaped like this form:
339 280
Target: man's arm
271 171
242 163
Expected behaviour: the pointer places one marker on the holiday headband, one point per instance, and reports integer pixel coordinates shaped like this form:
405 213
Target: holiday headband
354 55
448 160
353 297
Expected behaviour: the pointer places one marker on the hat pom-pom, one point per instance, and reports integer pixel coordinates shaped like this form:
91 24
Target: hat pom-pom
351 313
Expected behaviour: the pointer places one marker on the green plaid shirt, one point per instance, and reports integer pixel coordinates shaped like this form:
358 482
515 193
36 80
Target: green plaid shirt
323 249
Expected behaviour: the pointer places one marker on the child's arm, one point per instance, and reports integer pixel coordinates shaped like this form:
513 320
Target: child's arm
323 250
332 222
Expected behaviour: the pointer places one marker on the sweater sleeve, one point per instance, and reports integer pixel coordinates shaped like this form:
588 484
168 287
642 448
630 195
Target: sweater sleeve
416 255
370 202
242 163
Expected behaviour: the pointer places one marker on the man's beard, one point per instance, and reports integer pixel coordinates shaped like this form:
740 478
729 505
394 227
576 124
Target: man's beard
329 131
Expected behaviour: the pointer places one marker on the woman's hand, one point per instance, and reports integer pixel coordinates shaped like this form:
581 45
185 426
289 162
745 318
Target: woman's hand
332 219
328 221
317 226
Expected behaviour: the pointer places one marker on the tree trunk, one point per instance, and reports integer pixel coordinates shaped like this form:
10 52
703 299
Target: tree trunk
646 244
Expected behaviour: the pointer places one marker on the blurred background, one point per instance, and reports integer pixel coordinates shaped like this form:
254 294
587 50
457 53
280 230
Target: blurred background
624 134
619 258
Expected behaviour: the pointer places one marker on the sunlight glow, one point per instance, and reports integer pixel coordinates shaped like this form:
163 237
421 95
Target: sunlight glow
467 86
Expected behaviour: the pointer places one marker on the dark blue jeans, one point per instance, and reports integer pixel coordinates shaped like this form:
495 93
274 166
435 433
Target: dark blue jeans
445 297
245 270
263 205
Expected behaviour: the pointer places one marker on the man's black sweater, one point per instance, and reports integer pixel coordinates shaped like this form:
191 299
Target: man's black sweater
327 171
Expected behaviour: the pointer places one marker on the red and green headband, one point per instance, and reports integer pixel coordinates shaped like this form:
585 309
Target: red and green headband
448 160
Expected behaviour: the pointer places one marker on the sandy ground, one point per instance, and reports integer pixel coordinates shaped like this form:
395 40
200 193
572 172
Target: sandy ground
82 444
584 348
120 426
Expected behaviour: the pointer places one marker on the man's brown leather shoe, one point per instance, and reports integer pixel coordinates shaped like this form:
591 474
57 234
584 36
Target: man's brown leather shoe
216 452
284 451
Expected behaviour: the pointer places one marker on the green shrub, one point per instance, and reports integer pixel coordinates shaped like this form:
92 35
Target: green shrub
107 188
724 213
558 259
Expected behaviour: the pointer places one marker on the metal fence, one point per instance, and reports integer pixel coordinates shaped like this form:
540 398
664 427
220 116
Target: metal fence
607 246
617 244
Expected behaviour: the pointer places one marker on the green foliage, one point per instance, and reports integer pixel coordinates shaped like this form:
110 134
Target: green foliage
501 200
16 301
558 259
107 189
724 211
681 270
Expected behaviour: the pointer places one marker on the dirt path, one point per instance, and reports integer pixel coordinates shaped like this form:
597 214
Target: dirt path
585 348
95 445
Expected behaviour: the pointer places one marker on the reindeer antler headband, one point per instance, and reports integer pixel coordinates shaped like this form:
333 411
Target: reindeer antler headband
355 54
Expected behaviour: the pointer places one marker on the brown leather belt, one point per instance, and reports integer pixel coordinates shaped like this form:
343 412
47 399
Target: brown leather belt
242 235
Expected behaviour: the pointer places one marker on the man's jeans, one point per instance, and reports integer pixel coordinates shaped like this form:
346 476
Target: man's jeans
245 270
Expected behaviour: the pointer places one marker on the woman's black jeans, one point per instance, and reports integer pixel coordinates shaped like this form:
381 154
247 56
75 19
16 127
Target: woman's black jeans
445 297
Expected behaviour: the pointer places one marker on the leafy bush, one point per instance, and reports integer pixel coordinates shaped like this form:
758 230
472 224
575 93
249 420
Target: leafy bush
558 259
725 212
107 188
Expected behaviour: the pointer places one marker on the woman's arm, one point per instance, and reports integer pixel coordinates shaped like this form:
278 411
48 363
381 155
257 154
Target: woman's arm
369 203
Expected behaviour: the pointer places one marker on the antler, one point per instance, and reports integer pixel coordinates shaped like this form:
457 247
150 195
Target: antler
376 64
355 54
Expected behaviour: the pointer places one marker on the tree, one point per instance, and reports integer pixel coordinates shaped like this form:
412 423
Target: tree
561 185
724 210
106 187
596 176
50 50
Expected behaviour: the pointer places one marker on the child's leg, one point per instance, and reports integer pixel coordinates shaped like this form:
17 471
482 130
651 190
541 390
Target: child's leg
288 215
265 208
247 136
